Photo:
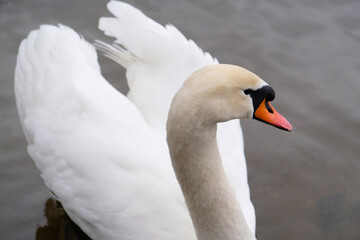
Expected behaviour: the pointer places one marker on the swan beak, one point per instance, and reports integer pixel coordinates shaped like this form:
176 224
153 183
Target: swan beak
267 114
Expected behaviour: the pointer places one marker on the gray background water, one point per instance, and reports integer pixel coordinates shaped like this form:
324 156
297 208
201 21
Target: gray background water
304 185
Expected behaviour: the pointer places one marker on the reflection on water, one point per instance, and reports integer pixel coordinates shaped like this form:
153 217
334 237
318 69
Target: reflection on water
59 226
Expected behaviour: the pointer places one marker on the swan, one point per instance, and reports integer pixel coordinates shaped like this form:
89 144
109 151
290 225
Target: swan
105 156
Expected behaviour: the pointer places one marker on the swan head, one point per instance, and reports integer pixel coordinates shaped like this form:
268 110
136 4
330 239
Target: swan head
221 92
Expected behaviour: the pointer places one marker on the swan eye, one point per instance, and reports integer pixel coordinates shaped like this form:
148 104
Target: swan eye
247 91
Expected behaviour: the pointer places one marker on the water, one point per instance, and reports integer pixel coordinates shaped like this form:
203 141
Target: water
305 185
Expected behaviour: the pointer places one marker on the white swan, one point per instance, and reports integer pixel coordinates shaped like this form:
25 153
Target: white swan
105 156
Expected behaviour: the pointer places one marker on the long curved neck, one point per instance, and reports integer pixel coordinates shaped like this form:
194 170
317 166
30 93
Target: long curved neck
210 199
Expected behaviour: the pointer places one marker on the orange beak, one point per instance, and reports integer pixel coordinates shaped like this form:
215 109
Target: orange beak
267 114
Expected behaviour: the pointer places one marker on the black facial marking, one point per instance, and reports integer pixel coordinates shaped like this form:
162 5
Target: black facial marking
265 92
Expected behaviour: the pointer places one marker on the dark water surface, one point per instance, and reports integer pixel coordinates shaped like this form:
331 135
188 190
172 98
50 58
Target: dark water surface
304 185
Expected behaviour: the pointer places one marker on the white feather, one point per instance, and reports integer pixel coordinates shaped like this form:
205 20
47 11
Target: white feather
164 59
104 155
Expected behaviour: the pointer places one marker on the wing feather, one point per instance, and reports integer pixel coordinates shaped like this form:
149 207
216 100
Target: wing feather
164 58
92 145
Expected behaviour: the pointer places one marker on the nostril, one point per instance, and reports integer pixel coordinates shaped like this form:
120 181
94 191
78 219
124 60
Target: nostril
268 107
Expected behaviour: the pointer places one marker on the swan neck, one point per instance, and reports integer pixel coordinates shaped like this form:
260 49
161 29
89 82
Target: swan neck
209 196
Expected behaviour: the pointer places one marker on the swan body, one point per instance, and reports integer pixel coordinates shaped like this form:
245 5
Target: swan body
105 155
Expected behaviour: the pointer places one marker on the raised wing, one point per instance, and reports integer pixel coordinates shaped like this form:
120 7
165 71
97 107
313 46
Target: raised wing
161 58
93 147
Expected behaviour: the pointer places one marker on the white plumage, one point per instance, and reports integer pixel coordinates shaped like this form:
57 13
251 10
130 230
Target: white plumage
103 154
